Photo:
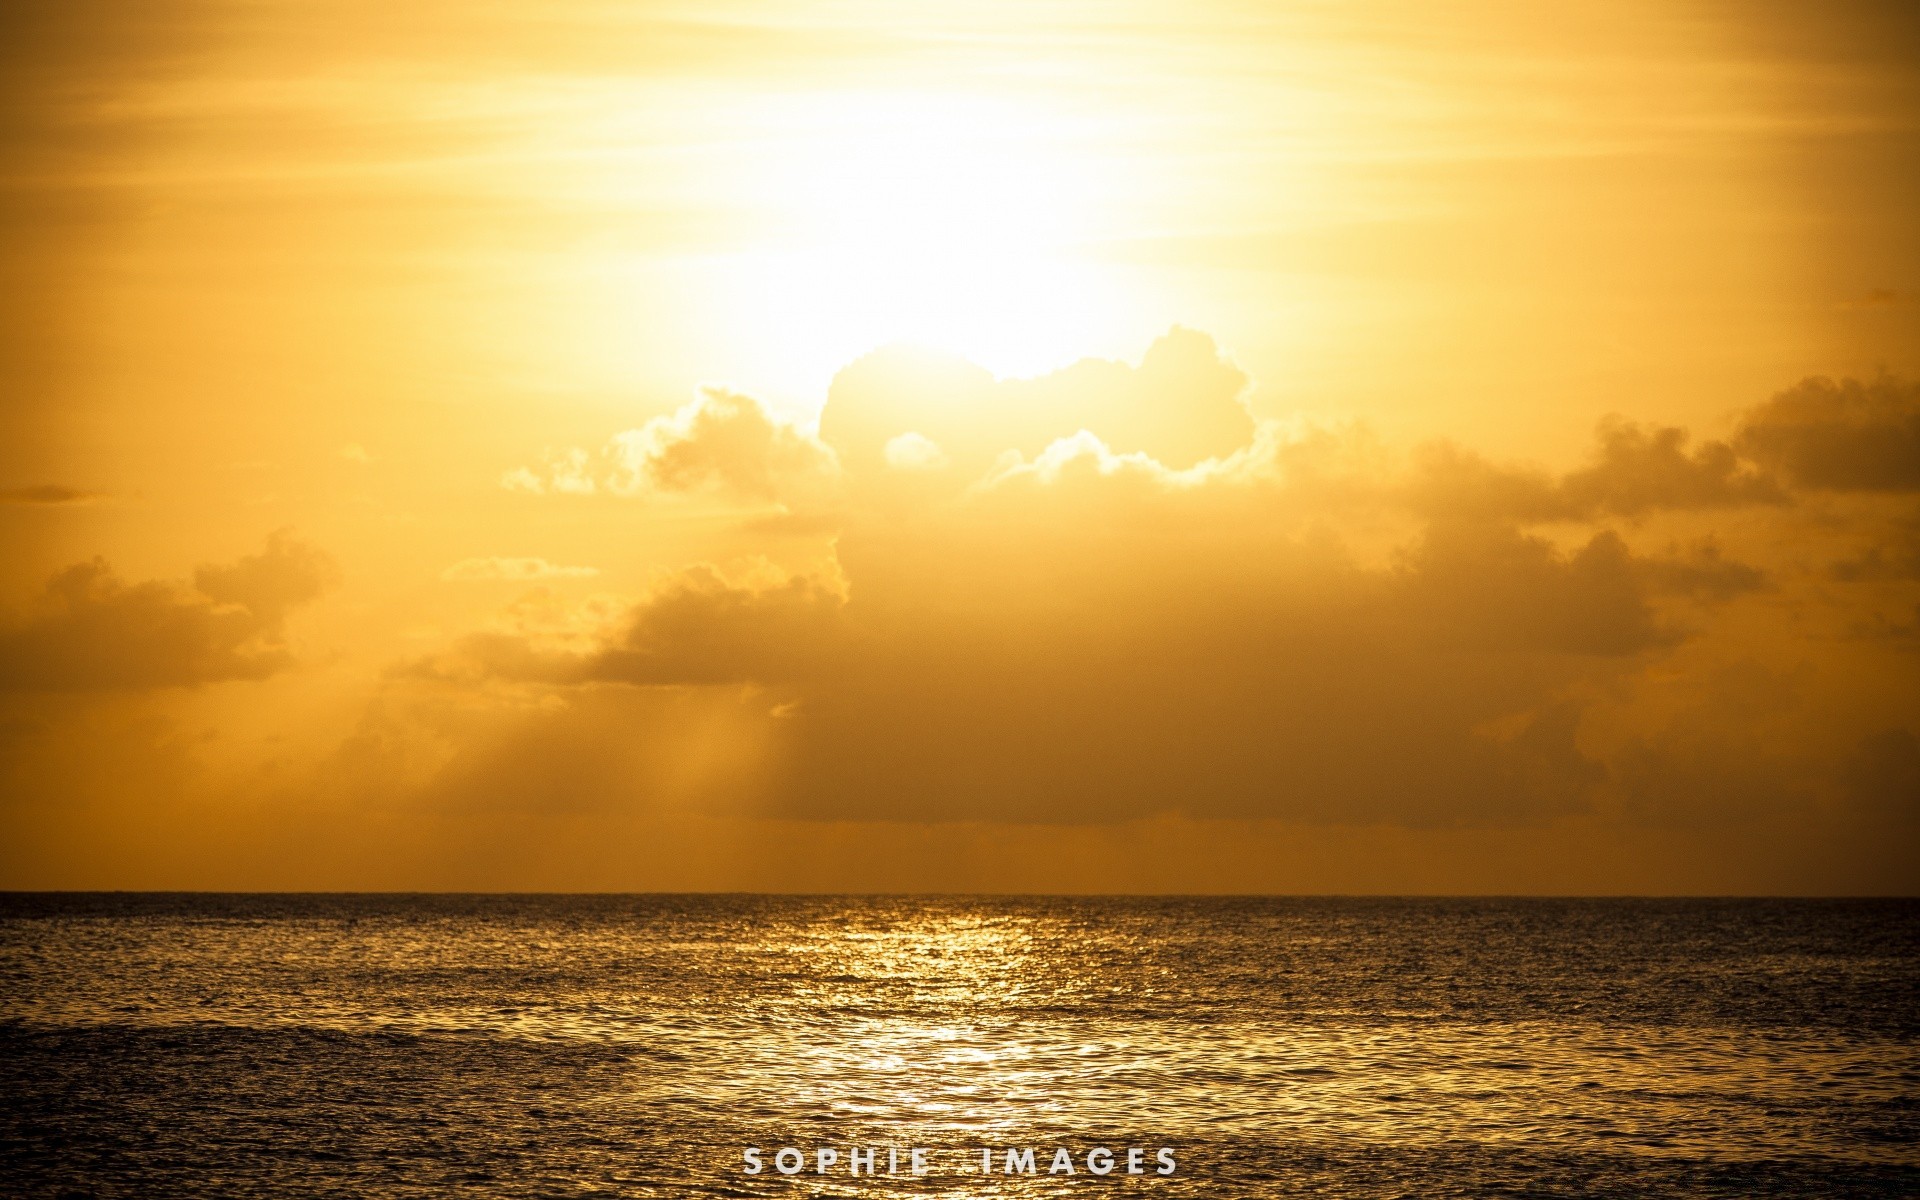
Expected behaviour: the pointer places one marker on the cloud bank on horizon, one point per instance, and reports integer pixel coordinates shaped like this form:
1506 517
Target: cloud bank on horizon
1111 594
1108 593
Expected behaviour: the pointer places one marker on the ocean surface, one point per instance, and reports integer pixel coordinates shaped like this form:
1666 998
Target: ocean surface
373 1046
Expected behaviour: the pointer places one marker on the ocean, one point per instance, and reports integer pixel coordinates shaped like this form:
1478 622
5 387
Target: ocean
157 1046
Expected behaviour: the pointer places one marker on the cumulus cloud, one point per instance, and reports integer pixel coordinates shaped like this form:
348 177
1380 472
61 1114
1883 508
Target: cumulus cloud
721 440
1635 470
721 443
1093 638
1844 436
1182 404
914 452
1085 456
702 629
1822 435
1491 588
1071 674
1640 469
512 570
928 423
695 627
1045 607
562 473
91 631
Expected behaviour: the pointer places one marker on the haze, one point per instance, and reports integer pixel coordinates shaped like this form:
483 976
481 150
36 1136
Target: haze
1038 447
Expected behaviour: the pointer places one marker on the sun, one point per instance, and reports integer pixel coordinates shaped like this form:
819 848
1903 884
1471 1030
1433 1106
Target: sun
959 222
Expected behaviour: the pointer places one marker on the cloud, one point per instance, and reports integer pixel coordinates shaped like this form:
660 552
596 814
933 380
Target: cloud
1640 470
1635 471
1183 404
563 473
288 573
1876 298
1844 436
1085 457
1820 435
702 629
721 440
904 423
1894 556
94 632
1457 483
1883 776
1703 571
47 493
721 443
1095 636
1491 588
1707 773
695 628
1069 672
512 570
1283 623
914 452
906 418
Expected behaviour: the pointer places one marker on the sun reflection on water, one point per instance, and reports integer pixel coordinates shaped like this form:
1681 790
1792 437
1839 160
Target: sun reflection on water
1277 1045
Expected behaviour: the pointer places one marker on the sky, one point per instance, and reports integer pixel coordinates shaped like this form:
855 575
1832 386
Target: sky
1041 447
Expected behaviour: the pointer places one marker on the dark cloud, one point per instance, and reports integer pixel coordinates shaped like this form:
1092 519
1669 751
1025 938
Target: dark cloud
288 573
1635 471
1047 676
1883 776
1728 748
700 629
1844 436
1491 588
1900 629
1092 645
1894 557
47 493
1707 775
92 631
1036 626
1703 571
697 628
1640 470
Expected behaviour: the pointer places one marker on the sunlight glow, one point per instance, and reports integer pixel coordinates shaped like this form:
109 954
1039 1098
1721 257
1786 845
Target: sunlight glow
943 220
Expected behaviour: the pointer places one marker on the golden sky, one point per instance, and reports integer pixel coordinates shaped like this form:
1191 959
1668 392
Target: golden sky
1284 447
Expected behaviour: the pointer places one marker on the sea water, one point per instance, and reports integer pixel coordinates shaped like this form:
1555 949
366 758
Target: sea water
371 1046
